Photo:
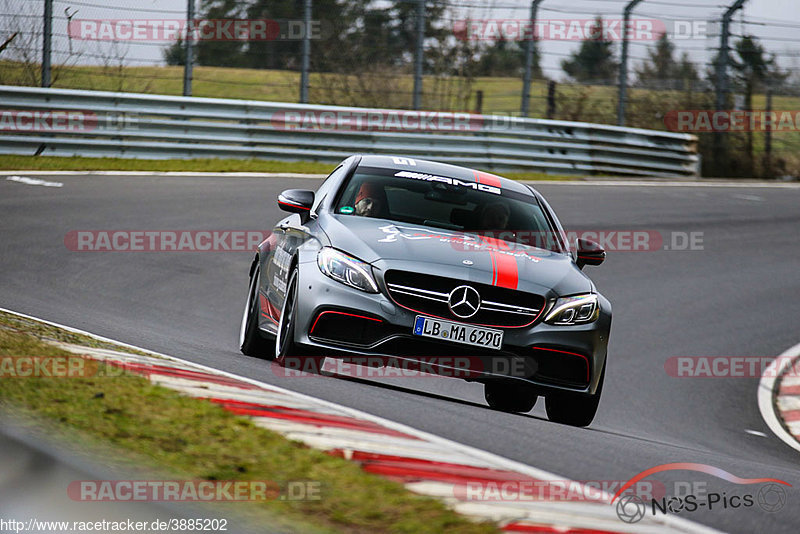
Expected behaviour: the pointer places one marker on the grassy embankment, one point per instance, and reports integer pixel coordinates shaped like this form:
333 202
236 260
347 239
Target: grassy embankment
140 424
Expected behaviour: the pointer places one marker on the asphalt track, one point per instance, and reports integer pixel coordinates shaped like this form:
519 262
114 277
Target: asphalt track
736 297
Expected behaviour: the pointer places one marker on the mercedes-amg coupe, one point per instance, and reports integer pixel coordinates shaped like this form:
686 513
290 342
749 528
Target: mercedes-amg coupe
416 261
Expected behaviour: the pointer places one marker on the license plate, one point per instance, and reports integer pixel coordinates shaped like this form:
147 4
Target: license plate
458 333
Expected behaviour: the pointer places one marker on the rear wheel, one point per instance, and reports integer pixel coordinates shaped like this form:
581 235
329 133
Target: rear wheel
574 409
508 397
251 341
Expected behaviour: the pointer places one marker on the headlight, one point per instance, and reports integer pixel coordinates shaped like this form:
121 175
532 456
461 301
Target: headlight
580 309
346 269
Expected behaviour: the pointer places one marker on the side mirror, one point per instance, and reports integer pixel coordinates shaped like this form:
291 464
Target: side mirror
297 201
589 253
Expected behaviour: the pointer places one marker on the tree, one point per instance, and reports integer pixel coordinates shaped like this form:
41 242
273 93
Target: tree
387 34
220 53
752 67
594 61
752 70
505 58
662 71
260 54
356 34
175 54
687 72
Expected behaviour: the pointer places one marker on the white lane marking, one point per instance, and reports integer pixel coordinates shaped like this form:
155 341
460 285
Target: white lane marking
200 174
756 433
754 198
678 523
766 392
33 181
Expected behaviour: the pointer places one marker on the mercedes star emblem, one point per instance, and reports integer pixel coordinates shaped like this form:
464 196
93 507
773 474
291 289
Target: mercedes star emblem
464 301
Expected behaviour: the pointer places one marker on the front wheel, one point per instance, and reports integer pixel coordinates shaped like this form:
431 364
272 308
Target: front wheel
573 408
285 346
251 341
286 350
508 397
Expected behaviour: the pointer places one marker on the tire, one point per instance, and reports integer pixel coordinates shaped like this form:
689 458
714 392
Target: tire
251 341
509 397
286 350
572 408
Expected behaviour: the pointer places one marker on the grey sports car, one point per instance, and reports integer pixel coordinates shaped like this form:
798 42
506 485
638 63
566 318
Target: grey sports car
416 261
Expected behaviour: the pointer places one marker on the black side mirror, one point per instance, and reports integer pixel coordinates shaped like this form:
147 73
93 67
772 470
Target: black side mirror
297 201
589 253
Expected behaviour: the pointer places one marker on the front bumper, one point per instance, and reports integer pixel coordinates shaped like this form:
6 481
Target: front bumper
338 321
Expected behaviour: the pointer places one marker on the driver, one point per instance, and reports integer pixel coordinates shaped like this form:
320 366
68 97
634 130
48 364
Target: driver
370 200
494 216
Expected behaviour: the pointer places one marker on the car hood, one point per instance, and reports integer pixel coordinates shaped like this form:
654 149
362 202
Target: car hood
423 249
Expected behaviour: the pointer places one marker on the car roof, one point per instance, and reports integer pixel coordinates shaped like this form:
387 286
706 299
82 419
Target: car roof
464 174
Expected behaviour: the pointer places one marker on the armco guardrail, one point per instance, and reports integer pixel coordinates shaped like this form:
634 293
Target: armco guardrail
62 122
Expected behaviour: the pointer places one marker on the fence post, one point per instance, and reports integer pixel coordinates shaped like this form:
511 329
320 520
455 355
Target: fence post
623 64
189 63
47 43
418 57
722 74
551 99
767 171
306 59
479 101
530 47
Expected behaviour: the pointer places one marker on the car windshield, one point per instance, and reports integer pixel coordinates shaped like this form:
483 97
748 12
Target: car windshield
444 202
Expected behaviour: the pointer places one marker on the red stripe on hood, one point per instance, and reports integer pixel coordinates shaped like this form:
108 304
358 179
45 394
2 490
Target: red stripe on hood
506 273
504 266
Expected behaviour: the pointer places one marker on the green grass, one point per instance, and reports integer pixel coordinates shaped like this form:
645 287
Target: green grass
140 423
47 333
50 163
500 95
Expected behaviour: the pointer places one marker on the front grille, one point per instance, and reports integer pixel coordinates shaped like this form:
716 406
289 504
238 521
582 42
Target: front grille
428 294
